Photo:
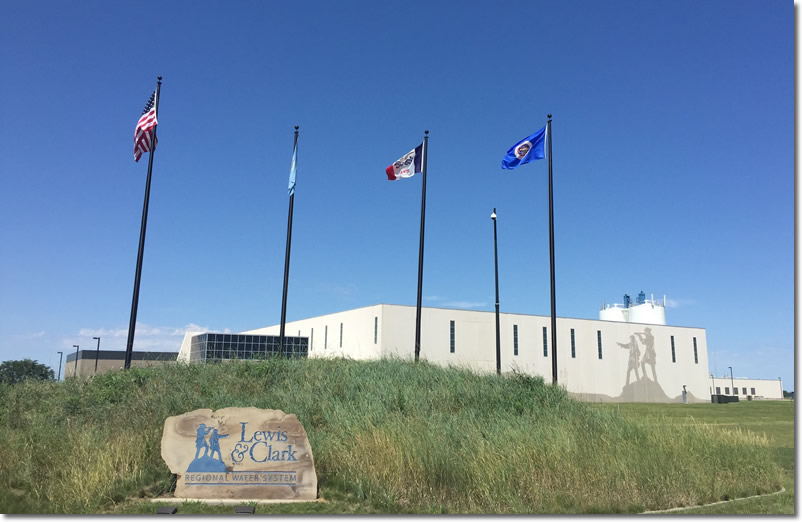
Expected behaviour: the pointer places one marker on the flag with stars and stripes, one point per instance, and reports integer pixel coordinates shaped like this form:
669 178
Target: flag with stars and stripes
145 133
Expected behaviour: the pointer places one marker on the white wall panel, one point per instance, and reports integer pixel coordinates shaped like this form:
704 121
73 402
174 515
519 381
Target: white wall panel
585 375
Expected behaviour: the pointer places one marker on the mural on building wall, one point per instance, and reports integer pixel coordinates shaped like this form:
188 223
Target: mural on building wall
649 357
634 356
643 388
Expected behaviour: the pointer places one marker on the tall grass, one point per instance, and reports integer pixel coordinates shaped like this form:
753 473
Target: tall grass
399 436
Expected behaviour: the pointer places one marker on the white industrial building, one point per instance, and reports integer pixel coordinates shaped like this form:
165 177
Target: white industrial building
746 389
629 355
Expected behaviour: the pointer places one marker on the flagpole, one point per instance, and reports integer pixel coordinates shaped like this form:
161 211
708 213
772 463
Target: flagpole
287 259
425 153
551 265
498 329
135 301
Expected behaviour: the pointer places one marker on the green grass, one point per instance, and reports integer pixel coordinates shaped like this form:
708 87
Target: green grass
774 419
387 436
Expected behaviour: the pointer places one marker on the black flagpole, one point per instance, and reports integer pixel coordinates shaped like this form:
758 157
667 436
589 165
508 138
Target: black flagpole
498 334
135 301
551 263
425 153
287 255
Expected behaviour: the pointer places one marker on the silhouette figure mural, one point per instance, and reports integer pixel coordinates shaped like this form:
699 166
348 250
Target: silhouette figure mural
206 461
642 388
650 356
634 356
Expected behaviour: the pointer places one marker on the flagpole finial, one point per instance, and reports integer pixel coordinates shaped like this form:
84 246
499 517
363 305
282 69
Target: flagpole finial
296 127
426 132
159 78
549 116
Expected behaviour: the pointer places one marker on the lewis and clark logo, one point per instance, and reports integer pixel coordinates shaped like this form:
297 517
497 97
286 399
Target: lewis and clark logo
259 447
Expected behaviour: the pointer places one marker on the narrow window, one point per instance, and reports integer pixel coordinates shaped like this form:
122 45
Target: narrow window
341 335
451 328
695 353
375 330
598 337
573 345
718 390
545 343
744 390
515 339
753 391
726 390
735 390
326 337
673 354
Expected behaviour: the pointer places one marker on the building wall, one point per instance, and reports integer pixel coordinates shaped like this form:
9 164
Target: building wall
614 377
324 333
186 345
86 366
764 388
584 375
474 337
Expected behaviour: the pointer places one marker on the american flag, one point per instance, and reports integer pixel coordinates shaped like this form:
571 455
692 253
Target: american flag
145 133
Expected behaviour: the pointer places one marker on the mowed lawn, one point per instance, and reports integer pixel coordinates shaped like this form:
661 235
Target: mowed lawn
775 419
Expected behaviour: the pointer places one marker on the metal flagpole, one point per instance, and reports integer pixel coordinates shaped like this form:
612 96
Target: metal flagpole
551 264
498 334
425 153
287 254
97 352
135 301
75 371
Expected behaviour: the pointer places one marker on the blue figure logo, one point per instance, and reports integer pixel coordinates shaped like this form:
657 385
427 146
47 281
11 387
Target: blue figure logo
200 441
214 444
206 460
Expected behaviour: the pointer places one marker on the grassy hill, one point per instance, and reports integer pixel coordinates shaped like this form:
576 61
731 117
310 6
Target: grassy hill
388 437
775 419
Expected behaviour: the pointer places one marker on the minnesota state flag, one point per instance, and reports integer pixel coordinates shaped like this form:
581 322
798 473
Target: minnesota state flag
528 149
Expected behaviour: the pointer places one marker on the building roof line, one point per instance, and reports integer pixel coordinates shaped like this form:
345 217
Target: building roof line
477 311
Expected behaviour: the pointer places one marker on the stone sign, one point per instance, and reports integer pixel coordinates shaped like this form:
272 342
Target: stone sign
239 453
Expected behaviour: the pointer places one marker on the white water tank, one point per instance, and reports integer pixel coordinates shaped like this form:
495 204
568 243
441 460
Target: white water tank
613 313
648 313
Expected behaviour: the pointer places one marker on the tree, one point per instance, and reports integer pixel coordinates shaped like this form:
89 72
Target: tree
17 371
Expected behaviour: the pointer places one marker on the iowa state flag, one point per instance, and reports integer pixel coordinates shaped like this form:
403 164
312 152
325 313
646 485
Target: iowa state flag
407 165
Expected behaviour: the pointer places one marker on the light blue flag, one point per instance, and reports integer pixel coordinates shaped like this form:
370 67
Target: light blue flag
528 149
292 169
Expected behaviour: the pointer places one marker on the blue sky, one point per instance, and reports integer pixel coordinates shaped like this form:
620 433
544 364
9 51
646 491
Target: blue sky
673 160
